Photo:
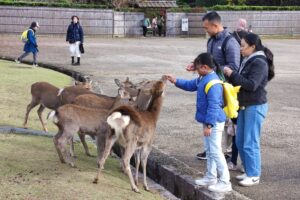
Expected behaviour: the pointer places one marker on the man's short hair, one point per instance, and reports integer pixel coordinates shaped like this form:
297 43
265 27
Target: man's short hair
212 17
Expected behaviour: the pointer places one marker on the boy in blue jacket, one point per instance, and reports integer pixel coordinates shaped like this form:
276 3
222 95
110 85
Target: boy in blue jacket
209 112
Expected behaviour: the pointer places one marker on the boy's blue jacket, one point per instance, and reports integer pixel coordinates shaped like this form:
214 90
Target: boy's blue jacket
209 107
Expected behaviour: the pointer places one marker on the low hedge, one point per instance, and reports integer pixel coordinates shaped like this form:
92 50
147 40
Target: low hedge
50 4
253 8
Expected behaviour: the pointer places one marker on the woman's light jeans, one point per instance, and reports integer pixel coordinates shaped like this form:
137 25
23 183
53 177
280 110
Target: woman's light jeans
216 163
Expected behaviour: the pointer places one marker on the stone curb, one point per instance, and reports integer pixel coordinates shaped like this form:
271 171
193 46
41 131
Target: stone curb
167 171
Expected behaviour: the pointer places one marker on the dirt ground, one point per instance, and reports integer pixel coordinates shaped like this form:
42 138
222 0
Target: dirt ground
178 134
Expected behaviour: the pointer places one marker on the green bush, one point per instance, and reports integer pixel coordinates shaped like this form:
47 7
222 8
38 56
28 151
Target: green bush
254 8
51 4
188 9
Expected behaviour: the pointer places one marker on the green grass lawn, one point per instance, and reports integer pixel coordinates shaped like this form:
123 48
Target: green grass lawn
30 169
15 95
29 165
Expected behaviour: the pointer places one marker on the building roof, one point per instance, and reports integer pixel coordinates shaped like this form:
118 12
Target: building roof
157 4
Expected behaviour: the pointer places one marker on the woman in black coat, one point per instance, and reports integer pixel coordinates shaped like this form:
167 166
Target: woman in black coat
75 38
253 75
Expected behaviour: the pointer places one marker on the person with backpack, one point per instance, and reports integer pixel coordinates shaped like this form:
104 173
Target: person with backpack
225 50
30 43
75 38
255 71
210 113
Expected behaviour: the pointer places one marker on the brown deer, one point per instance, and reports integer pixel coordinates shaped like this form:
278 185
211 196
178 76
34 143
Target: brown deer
46 95
49 96
105 102
72 118
134 130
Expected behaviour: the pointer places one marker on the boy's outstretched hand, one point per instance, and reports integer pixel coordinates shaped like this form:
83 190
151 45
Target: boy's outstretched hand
170 78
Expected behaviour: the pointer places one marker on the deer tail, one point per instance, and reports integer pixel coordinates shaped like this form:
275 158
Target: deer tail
131 112
52 115
118 122
60 91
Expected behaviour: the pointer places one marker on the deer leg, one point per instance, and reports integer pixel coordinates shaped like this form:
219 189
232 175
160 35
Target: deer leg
40 111
137 157
129 150
55 140
69 154
32 104
144 157
108 145
85 146
72 152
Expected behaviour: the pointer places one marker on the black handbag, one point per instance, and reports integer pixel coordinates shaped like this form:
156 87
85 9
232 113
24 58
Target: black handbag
81 49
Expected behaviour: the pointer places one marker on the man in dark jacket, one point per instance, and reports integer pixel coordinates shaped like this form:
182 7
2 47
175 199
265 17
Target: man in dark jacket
31 44
75 38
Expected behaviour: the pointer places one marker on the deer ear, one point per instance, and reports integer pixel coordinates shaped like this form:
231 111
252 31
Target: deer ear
118 82
76 82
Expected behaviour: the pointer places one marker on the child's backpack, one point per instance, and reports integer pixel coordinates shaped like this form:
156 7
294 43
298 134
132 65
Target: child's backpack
24 36
231 103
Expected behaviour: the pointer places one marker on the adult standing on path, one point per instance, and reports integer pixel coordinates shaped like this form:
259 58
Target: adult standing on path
223 46
31 44
75 38
256 70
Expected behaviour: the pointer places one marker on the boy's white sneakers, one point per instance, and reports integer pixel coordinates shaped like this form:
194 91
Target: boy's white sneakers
17 61
249 181
241 177
205 181
220 187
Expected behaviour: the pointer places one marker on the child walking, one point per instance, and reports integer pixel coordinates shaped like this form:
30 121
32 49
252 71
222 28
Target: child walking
31 44
209 112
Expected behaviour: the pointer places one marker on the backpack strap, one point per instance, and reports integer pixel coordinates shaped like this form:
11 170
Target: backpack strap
211 83
224 44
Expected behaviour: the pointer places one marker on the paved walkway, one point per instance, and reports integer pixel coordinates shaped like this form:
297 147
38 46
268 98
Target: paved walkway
178 135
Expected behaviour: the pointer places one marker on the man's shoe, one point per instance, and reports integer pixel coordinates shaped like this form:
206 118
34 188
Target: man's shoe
201 156
34 65
220 187
241 177
17 61
232 167
206 181
249 181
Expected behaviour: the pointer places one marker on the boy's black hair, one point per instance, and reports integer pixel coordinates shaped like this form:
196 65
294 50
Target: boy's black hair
205 59
212 16
253 39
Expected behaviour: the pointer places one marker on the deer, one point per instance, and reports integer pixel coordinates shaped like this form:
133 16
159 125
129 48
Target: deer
49 96
135 131
106 102
71 118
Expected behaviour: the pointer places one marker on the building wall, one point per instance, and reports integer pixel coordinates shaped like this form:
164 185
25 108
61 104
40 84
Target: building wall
56 20
108 23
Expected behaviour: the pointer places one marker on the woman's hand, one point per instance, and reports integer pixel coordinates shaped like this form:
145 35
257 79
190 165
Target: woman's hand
170 78
227 71
190 67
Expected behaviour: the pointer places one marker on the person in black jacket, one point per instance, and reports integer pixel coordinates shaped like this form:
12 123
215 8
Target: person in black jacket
253 75
75 38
